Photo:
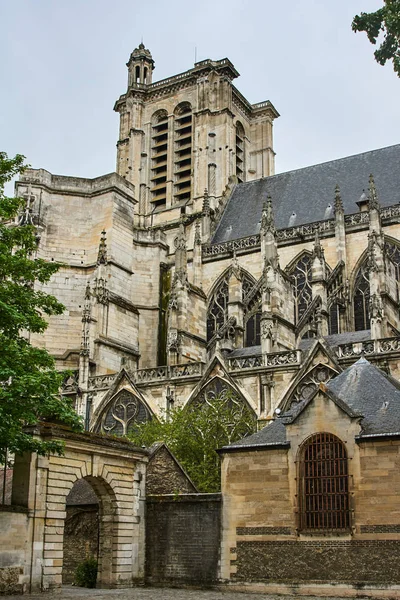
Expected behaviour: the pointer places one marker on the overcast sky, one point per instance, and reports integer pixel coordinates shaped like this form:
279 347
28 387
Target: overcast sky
63 66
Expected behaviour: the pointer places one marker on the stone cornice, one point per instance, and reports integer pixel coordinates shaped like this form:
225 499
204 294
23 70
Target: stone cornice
179 81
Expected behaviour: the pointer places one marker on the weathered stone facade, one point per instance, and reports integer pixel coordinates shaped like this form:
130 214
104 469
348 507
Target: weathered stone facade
194 270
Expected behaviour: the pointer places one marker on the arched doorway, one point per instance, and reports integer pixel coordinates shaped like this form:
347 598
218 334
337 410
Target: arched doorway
115 470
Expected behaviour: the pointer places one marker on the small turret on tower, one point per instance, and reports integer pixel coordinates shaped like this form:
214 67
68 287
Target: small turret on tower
140 66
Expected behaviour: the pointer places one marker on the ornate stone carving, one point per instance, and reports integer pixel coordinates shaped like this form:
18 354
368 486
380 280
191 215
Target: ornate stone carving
173 341
102 253
101 291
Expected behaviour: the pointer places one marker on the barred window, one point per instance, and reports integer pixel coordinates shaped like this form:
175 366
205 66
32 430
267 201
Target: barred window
324 484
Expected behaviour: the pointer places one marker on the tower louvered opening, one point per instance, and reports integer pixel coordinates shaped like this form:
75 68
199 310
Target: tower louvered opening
183 153
159 159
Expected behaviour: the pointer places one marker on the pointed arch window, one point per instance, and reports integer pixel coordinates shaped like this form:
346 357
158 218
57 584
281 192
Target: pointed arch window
217 313
301 274
393 252
361 299
121 413
324 484
252 312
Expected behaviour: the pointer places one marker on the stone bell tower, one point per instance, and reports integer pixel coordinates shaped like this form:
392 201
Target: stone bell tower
189 132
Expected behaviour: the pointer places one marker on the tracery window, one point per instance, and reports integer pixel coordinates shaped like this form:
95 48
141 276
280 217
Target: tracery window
252 313
361 299
121 414
301 274
393 252
324 484
217 313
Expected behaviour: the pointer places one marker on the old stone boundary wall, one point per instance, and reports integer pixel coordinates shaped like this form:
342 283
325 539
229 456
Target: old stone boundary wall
183 539
15 552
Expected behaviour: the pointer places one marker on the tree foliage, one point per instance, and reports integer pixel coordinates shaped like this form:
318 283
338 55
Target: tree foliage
29 383
194 432
384 21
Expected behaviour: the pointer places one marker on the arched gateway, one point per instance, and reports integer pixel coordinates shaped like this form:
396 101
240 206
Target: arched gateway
115 469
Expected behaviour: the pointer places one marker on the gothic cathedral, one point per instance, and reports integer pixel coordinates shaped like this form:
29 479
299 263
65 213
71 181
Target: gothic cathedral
194 269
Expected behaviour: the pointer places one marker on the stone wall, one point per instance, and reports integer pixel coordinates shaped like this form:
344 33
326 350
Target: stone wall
182 539
14 549
81 538
350 561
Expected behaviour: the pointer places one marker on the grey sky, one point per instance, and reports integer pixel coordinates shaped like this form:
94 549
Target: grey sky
63 67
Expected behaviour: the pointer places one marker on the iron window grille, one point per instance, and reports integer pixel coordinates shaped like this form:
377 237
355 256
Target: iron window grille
324 485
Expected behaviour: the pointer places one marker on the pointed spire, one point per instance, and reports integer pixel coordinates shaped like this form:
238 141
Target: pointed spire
317 251
267 218
102 254
206 203
338 201
372 194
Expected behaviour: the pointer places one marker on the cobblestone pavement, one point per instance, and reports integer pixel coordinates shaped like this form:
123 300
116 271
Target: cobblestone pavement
73 593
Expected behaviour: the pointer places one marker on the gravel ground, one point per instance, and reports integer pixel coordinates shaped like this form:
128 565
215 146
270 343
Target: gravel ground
74 593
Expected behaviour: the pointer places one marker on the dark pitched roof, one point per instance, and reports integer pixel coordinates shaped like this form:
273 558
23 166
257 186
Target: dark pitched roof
369 391
310 191
362 391
272 435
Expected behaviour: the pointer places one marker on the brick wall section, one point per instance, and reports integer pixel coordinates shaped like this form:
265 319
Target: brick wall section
355 561
182 539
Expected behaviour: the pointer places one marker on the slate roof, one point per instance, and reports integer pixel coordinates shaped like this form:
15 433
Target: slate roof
309 192
368 390
362 390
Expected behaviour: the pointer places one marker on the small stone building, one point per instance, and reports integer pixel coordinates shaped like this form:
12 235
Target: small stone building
314 496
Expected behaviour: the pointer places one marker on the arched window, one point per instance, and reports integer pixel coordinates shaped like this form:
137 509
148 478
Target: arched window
393 252
217 313
159 156
324 484
240 152
183 152
301 274
252 311
121 414
361 299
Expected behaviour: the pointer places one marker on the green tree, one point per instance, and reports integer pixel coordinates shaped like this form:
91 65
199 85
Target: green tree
194 432
29 383
384 21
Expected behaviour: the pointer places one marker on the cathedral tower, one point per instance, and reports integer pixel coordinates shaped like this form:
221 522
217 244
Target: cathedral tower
186 133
